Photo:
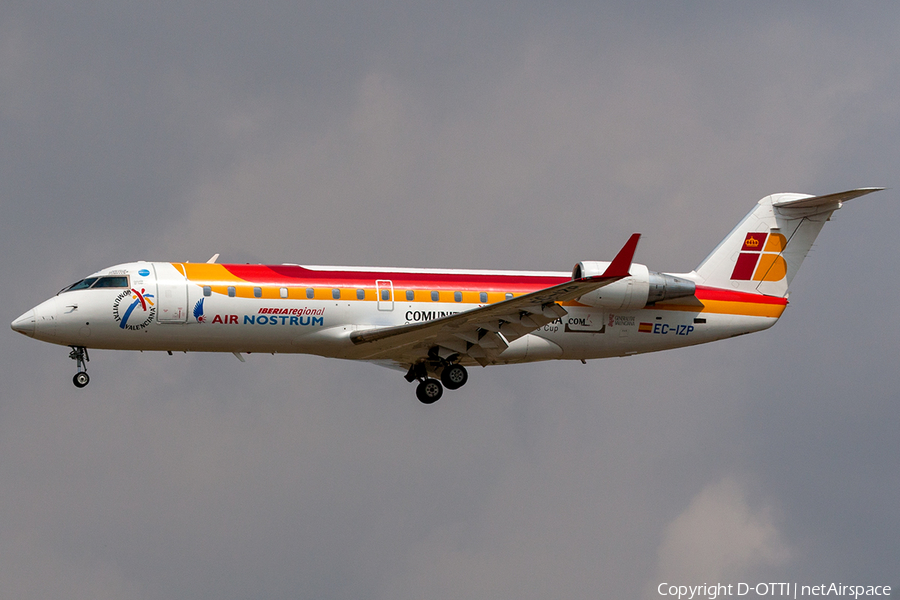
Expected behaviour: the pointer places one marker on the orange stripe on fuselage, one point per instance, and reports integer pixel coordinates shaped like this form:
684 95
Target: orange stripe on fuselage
730 302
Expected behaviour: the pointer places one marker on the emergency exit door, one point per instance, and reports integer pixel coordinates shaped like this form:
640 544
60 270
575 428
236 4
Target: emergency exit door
385 290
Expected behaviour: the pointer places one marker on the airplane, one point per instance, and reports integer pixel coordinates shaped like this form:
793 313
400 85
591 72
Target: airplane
434 323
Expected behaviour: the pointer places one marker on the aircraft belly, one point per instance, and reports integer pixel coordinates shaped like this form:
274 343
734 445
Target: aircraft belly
530 348
648 330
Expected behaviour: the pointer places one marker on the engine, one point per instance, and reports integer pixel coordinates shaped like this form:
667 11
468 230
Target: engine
642 288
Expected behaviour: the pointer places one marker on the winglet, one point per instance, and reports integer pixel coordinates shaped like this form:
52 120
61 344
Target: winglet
621 264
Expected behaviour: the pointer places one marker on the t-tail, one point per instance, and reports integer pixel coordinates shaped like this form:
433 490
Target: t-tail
763 253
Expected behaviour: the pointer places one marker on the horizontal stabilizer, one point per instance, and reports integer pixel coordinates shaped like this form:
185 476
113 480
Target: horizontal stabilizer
826 200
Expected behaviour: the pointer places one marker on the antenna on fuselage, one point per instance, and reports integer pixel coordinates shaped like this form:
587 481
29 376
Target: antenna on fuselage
214 258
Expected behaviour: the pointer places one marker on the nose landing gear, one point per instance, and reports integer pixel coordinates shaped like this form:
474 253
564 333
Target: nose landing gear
80 355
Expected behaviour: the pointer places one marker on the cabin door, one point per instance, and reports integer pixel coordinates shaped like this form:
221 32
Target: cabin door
171 293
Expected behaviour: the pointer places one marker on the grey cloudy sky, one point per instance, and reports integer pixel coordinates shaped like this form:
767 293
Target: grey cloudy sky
504 135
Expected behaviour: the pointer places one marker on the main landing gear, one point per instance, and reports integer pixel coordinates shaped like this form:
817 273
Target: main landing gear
453 376
80 355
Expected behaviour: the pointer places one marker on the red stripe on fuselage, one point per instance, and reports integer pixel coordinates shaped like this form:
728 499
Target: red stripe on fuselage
488 282
709 293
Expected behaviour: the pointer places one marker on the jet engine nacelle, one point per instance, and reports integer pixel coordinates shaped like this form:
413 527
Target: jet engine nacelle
643 287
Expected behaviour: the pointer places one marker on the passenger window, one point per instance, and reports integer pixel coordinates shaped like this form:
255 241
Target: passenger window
483 297
457 296
410 295
336 294
310 293
231 291
207 291
385 294
435 296
360 294
257 292
283 292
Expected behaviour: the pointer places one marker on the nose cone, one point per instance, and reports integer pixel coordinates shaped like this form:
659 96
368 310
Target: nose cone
24 324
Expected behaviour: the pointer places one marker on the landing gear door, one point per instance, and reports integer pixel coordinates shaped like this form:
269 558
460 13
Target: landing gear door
385 290
171 293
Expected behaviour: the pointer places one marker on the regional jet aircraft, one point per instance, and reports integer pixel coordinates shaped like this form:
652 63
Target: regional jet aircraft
432 324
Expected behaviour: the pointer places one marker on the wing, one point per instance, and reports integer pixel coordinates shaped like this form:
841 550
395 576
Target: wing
483 333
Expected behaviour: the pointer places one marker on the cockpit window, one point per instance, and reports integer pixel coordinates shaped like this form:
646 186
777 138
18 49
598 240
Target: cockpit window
110 281
80 285
116 281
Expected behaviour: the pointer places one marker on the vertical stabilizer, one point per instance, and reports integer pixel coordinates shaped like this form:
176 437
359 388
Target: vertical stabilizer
763 253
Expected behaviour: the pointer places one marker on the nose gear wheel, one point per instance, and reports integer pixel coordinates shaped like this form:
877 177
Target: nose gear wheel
81 357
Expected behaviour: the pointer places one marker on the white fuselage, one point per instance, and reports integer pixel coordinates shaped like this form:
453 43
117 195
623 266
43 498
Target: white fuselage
206 308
